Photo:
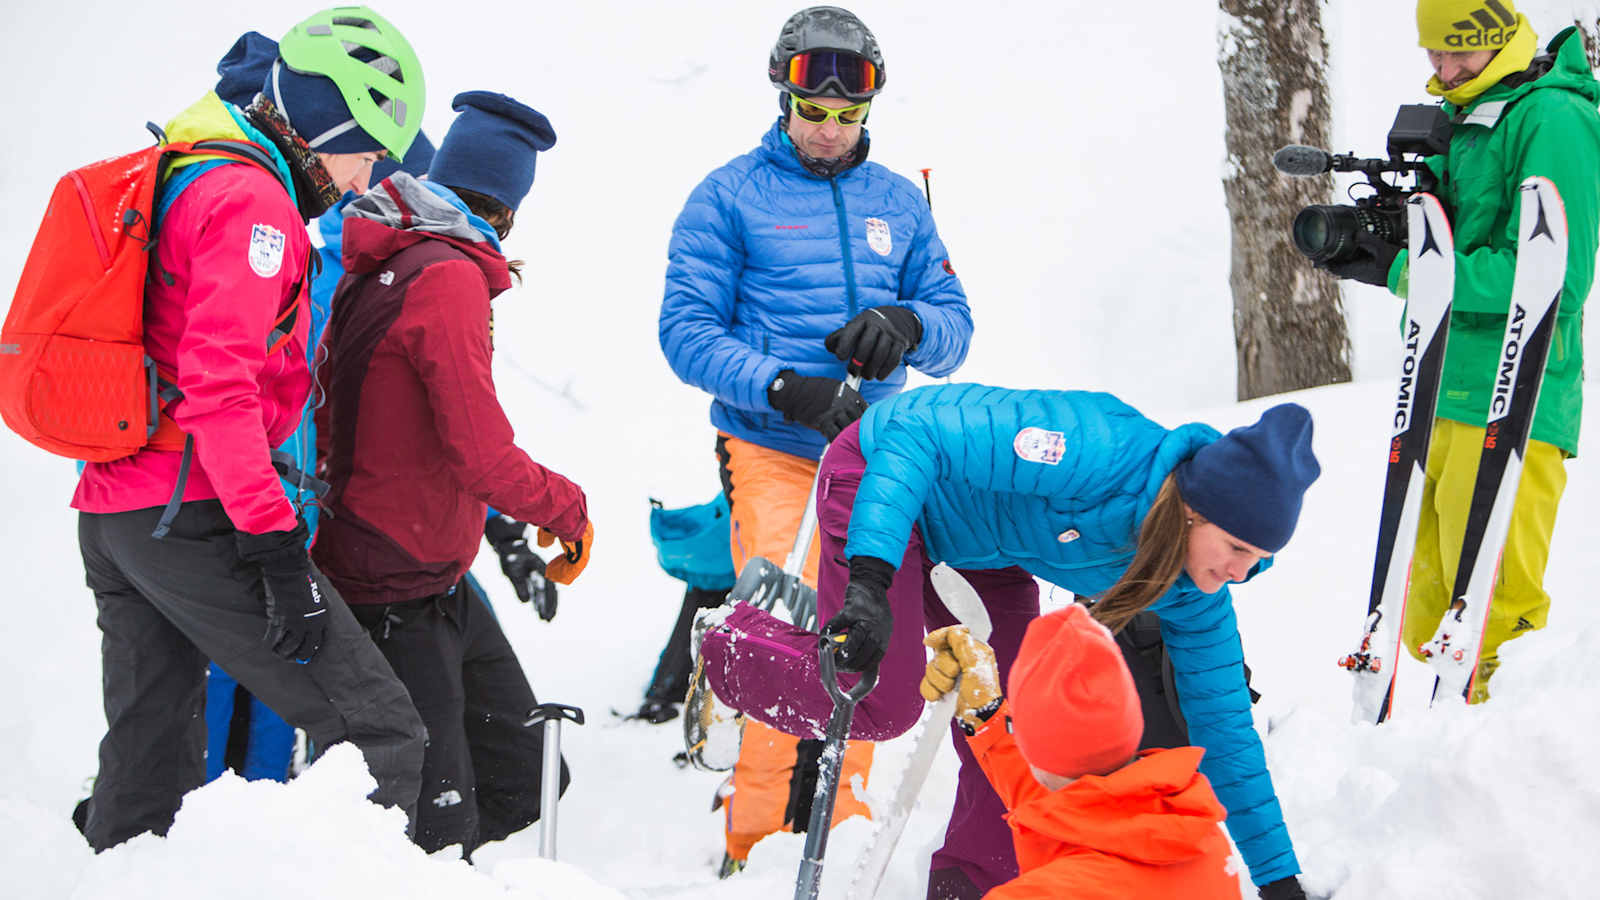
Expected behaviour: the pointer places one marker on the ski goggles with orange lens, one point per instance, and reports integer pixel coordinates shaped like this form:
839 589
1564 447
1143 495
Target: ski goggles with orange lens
815 71
817 113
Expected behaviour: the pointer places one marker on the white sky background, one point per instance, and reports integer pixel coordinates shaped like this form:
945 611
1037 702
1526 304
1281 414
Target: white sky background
1076 152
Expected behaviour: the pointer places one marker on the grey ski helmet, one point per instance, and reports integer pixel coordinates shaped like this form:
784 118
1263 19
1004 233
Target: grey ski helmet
817 30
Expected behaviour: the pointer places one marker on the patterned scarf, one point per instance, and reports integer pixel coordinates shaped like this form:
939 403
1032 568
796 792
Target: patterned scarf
313 186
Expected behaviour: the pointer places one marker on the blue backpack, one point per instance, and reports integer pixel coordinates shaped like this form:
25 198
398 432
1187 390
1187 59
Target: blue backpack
692 543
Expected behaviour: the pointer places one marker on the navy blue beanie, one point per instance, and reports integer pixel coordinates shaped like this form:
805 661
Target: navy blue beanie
1250 481
245 67
491 147
315 109
418 157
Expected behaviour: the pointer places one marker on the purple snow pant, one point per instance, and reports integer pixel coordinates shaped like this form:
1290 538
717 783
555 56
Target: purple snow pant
769 669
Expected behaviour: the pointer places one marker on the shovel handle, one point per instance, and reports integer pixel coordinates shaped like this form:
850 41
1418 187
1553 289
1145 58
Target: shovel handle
827 658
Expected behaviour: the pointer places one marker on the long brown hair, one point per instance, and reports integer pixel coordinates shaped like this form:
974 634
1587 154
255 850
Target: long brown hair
1158 559
499 216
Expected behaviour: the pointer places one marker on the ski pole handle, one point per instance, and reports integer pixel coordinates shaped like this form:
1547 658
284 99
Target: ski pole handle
927 187
551 714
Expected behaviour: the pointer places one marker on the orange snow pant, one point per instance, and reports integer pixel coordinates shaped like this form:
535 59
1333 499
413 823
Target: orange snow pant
767 491
1520 603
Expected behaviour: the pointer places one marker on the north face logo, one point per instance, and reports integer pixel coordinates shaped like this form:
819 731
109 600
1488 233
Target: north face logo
1488 28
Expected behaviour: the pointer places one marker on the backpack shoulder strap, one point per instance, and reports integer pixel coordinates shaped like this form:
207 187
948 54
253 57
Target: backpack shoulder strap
221 152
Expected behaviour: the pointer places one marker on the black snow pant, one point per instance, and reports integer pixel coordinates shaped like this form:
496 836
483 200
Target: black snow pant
166 608
670 681
481 774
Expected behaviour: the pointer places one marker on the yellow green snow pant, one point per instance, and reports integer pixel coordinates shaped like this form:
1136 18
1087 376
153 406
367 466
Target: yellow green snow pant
1520 603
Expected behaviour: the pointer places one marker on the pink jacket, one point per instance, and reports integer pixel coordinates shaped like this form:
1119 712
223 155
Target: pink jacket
231 258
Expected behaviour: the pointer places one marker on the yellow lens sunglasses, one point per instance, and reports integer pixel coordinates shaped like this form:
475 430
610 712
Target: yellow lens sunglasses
816 113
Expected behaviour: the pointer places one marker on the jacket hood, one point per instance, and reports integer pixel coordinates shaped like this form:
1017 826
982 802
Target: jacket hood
401 211
1159 810
1565 66
211 119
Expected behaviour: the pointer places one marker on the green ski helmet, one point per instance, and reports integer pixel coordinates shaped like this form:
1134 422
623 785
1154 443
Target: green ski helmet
374 68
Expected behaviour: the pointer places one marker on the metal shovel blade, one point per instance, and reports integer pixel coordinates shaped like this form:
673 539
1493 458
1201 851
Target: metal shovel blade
764 584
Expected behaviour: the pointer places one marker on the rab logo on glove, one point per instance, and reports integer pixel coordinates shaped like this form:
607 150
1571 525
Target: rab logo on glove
316 597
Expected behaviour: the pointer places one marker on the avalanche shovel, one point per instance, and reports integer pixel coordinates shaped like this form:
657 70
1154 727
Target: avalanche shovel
809 880
763 584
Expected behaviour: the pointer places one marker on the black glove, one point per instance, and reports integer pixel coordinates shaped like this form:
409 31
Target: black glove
297 617
522 567
1282 889
1373 258
826 404
865 620
873 343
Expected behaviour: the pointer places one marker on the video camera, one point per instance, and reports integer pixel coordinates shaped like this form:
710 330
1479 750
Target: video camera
1326 234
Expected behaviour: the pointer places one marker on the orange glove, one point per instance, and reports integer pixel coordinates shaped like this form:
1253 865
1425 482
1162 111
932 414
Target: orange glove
565 568
961 661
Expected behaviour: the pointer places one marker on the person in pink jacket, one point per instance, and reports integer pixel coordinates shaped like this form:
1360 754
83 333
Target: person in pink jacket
199 555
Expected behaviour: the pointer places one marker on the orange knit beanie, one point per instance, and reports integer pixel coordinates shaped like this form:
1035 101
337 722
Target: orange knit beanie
1074 709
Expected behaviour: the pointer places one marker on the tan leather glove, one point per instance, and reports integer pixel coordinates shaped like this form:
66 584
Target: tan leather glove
961 658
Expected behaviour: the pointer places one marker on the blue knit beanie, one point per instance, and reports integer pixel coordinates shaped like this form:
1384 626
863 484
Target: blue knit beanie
315 109
245 67
491 147
1250 481
418 157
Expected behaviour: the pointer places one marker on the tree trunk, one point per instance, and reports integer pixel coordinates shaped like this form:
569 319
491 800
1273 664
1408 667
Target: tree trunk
1589 26
1288 321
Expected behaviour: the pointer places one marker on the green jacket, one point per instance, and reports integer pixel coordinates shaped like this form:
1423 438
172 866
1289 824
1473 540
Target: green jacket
1547 125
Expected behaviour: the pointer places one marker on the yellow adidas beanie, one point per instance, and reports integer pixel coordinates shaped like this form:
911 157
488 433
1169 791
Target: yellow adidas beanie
1465 25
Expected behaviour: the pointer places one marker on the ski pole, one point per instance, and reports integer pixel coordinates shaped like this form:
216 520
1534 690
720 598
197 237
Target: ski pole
551 715
809 880
927 187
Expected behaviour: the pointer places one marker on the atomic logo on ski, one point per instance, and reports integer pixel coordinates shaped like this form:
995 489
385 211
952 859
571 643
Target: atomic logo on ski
1428 240
1542 225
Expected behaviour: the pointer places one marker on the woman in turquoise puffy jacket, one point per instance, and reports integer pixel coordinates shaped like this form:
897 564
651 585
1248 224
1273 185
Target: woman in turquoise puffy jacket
1079 490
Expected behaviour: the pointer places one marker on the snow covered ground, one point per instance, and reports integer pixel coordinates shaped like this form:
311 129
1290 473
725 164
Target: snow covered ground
1052 132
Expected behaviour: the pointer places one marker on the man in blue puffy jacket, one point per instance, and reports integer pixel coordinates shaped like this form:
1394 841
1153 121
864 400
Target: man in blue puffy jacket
790 267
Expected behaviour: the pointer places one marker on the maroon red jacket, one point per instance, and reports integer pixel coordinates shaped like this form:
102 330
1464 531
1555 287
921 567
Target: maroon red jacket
415 443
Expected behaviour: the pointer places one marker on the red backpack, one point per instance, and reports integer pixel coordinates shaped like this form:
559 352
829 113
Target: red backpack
74 377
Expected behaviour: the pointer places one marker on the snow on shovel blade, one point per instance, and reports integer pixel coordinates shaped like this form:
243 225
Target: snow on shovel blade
964 603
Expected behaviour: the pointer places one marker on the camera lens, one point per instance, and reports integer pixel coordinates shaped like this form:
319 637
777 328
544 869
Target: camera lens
1325 233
